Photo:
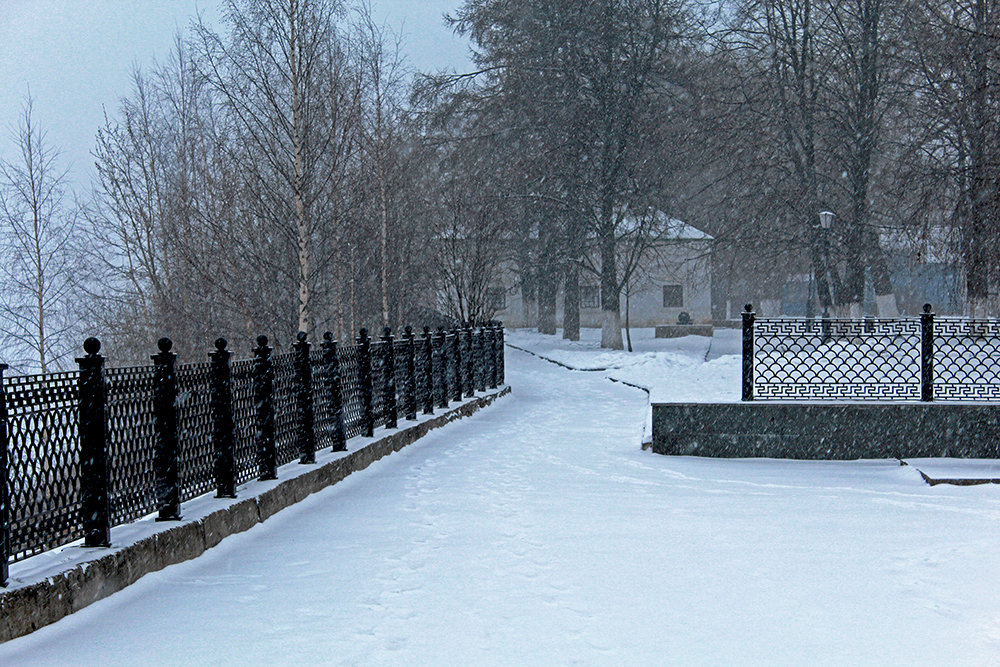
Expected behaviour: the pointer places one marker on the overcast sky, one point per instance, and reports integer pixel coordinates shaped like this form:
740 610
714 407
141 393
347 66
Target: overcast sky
76 56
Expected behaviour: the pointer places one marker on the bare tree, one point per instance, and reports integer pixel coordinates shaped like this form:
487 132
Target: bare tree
39 270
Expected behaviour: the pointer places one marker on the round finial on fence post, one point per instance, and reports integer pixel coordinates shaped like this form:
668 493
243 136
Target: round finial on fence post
92 346
408 330
262 340
927 308
220 344
164 344
327 336
301 336
386 332
748 308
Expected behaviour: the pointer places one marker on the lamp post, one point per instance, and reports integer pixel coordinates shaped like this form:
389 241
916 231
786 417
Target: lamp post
826 224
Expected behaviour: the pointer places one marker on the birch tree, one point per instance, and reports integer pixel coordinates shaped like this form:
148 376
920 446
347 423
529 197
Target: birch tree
39 268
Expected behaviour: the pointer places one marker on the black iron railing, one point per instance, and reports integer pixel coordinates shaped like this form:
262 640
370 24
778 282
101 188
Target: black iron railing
923 358
83 451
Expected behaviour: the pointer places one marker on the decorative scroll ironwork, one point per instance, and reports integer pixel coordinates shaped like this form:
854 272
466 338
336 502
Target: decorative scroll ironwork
378 382
837 359
131 442
966 359
194 429
44 462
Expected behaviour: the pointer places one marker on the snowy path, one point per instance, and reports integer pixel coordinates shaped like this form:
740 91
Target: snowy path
537 532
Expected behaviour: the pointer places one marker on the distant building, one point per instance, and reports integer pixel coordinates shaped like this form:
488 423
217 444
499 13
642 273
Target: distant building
674 277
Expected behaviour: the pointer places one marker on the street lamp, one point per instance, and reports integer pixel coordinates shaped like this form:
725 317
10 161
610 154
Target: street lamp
826 223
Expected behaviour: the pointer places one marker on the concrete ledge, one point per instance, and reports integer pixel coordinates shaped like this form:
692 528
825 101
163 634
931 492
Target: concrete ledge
25 608
827 430
678 330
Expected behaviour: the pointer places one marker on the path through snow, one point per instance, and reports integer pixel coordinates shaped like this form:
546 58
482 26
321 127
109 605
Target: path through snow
537 532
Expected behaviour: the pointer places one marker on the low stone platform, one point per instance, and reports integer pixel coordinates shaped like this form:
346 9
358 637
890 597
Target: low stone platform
678 330
827 430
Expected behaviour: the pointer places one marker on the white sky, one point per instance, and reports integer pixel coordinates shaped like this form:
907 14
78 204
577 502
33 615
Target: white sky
76 56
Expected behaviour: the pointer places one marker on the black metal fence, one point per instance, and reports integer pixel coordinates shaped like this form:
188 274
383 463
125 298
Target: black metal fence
86 450
920 359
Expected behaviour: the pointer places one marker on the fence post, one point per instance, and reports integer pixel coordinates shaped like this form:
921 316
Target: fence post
501 374
5 548
428 372
95 497
410 393
457 354
305 419
389 378
333 388
263 396
492 352
481 365
443 368
365 371
165 463
222 421
470 362
825 327
927 354
748 321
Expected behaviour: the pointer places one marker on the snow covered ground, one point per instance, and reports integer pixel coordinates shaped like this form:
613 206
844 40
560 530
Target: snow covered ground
538 532
688 369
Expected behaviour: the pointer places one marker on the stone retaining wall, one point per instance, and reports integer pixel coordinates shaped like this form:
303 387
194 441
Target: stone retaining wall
27 608
827 430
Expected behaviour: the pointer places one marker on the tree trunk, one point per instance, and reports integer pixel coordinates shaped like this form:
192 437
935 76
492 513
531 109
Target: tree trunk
571 302
547 306
611 319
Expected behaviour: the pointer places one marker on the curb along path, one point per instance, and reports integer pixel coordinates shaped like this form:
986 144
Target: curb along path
29 605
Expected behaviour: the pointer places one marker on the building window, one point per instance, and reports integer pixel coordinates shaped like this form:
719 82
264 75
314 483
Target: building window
590 296
496 298
673 296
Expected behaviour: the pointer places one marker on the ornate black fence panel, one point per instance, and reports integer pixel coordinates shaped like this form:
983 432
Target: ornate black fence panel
194 429
131 442
837 359
244 426
966 359
401 351
323 413
285 393
350 382
908 359
46 467
44 462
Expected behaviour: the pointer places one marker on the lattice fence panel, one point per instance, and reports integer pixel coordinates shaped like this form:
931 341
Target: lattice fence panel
285 412
323 416
378 383
244 424
401 352
420 371
350 381
848 359
194 429
131 442
966 359
44 460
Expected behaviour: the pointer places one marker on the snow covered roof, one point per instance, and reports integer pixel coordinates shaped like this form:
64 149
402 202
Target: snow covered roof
668 228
